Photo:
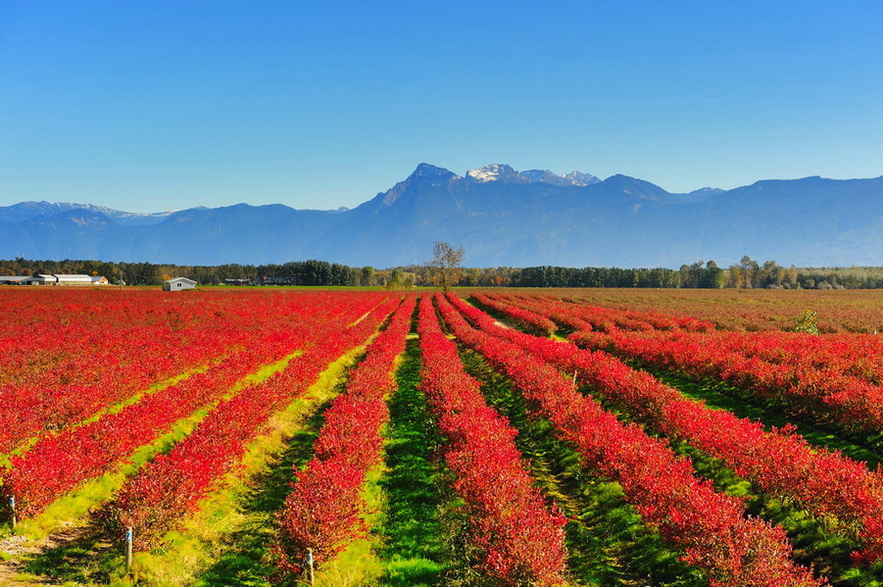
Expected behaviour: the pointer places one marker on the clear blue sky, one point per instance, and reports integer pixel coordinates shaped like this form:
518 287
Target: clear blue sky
148 105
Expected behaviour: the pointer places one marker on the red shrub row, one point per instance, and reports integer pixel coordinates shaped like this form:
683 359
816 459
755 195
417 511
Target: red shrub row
101 348
174 483
521 539
59 462
323 511
825 393
572 314
526 319
711 527
854 355
777 462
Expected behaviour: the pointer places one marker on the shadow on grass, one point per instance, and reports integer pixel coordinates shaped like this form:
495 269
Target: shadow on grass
82 556
413 527
244 558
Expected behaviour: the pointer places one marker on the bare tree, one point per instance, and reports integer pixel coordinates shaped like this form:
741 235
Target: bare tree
445 262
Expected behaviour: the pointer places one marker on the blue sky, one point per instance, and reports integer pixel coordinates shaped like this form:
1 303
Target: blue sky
168 104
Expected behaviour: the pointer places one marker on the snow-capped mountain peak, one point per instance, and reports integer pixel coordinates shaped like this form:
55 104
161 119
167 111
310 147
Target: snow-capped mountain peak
503 172
495 172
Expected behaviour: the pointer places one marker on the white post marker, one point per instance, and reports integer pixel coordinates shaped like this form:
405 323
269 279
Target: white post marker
129 536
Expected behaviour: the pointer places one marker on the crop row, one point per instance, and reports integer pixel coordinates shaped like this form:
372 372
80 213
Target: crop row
323 512
825 394
521 539
59 462
830 377
174 483
778 462
523 317
127 351
576 315
711 527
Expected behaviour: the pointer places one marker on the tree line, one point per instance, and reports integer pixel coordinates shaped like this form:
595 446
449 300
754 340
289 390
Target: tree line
748 273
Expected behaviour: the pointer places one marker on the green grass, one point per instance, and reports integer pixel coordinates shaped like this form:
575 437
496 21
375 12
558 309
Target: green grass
412 527
226 541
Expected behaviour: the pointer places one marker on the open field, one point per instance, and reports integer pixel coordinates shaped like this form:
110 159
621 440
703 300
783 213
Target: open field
751 309
488 437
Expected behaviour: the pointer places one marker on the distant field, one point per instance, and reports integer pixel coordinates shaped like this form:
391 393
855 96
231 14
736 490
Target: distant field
488 437
749 309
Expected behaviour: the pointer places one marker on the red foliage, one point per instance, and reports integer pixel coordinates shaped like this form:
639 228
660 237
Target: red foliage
530 321
710 527
323 511
173 484
66 354
522 540
796 370
778 462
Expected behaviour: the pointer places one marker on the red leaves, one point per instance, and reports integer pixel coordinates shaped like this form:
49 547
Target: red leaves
530 321
824 375
709 526
173 484
323 511
522 540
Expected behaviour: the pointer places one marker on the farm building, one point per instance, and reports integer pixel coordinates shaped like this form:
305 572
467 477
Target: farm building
57 279
13 279
178 283
62 279
40 279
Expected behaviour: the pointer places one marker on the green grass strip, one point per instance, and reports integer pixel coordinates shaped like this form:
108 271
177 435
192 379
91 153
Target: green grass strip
412 528
27 444
206 550
71 508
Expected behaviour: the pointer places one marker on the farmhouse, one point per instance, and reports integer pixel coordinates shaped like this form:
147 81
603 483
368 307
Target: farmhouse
178 283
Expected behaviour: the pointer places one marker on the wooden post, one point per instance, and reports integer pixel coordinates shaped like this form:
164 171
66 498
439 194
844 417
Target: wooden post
12 510
312 569
129 536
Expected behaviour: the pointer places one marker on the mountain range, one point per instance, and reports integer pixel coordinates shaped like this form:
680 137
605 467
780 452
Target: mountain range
500 216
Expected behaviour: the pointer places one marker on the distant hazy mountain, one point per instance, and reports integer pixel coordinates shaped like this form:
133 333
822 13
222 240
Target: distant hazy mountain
499 215
27 210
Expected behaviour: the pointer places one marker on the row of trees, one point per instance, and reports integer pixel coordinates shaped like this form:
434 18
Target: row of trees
444 269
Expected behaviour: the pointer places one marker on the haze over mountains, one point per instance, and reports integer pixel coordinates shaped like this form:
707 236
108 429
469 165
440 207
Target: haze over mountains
500 216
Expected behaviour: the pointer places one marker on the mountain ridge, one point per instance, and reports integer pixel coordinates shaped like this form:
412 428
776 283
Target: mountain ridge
499 215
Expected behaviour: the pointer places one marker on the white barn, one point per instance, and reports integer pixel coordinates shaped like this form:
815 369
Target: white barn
58 279
63 279
178 284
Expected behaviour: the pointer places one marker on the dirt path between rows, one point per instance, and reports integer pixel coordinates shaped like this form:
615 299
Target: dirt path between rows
17 547
20 549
